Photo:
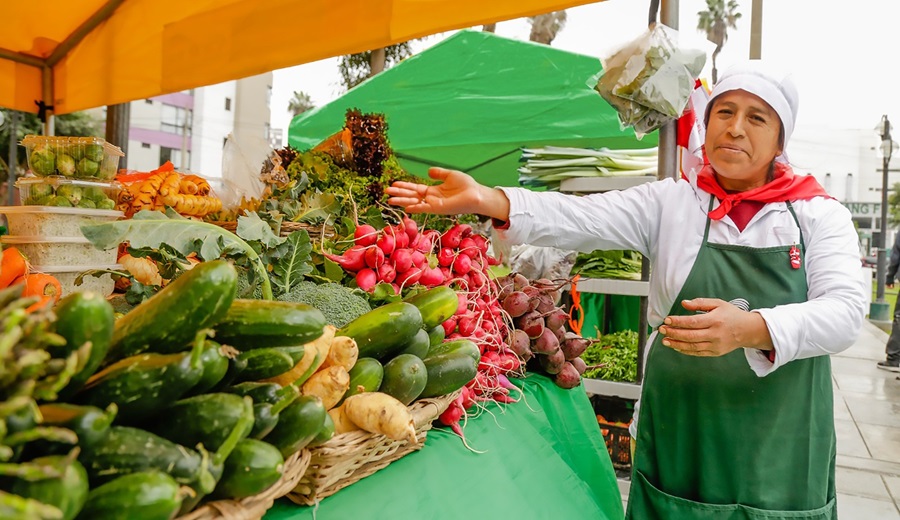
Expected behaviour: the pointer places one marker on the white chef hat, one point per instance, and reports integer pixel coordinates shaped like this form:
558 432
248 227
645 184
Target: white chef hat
774 87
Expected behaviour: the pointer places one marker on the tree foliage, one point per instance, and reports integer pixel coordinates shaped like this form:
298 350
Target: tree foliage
720 15
81 124
356 68
545 27
894 205
301 102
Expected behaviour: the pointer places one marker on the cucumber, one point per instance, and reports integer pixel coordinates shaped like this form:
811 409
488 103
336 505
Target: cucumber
298 424
450 366
214 359
263 392
83 317
90 424
143 385
169 320
405 377
236 365
263 363
148 495
436 335
68 492
367 373
436 305
385 330
458 345
252 467
251 324
131 450
207 419
418 346
325 434
266 413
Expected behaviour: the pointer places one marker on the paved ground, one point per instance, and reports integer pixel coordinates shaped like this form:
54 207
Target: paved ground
867 421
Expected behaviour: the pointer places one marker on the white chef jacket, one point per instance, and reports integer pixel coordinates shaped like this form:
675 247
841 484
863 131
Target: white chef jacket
665 220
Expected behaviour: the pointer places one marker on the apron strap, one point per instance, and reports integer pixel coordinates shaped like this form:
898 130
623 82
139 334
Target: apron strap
790 208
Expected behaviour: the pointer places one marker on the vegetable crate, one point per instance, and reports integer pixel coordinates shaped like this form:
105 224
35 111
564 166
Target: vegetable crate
349 457
255 506
613 416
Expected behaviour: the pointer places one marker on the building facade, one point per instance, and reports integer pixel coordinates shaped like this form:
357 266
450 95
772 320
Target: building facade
190 128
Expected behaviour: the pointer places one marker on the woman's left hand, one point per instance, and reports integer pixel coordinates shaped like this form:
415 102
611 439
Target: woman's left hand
718 330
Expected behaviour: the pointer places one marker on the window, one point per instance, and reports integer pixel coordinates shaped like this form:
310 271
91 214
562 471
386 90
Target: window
228 104
268 131
148 101
269 96
145 145
175 120
165 154
848 187
224 141
827 182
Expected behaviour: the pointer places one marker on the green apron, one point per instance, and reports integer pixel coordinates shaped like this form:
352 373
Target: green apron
717 442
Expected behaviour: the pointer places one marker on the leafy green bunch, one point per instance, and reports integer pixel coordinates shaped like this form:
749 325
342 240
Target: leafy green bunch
613 357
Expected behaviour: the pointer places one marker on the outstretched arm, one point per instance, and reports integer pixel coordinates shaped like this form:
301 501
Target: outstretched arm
458 193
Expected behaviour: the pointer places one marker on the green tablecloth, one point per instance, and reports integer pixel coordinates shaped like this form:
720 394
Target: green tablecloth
545 458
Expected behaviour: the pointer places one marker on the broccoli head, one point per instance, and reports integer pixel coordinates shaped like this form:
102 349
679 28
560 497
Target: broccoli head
339 304
245 289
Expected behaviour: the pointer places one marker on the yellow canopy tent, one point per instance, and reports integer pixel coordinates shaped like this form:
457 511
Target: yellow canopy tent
87 53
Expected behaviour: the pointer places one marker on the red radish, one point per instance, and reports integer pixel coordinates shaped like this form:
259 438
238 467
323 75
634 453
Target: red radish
353 259
515 304
491 260
430 238
490 363
451 418
553 363
410 276
463 303
508 363
431 276
467 397
449 326
365 235
395 287
366 279
410 227
387 243
468 247
455 336
546 343
556 319
481 243
401 239
374 257
445 272
579 365
402 259
419 259
386 273
568 376
467 326
452 237
462 264
445 257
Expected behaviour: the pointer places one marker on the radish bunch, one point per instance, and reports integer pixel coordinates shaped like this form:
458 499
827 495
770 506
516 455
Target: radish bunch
398 255
540 334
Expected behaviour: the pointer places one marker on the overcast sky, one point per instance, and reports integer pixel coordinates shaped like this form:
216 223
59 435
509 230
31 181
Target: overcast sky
840 53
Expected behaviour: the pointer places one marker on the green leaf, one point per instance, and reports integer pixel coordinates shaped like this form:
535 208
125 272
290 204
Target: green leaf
290 269
384 292
252 228
318 207
153 229
374 218
333 271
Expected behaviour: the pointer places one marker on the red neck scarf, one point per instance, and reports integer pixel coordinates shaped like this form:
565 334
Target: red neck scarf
786 187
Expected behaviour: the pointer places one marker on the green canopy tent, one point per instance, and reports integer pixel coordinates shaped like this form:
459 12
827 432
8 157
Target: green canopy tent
473 101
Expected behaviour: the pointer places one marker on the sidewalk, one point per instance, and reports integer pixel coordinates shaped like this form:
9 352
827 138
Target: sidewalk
867 421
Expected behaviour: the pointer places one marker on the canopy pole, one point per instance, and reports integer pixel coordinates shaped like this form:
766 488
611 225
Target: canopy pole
668 152
48 95
117 120
13 165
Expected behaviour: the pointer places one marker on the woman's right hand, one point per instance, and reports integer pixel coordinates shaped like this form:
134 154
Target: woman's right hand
458 193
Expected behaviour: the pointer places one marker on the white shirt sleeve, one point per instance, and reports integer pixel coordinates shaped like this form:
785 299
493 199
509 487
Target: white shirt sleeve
830 320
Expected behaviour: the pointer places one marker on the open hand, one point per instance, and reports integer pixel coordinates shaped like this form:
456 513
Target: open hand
720 329
458 193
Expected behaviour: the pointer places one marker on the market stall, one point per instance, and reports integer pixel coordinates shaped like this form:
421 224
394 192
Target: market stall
542 458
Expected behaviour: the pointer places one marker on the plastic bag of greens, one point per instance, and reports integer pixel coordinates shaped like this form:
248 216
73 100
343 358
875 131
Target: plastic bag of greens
649 80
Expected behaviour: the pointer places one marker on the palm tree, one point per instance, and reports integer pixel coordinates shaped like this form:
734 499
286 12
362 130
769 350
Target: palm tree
356 68
545 27
300 103
715 21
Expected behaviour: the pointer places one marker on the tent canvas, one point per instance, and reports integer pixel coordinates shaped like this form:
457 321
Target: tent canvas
473 101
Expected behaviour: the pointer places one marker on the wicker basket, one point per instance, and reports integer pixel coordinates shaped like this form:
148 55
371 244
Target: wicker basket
352 456
254 507
287 227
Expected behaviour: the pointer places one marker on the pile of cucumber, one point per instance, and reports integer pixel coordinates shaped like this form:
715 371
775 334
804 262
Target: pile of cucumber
176 403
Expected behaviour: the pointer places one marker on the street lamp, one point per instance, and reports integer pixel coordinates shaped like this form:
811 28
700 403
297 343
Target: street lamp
880 310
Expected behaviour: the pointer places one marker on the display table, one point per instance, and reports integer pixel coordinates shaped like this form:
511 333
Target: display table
545 458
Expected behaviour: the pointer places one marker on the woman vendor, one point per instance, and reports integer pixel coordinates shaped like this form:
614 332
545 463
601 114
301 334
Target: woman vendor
755 283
